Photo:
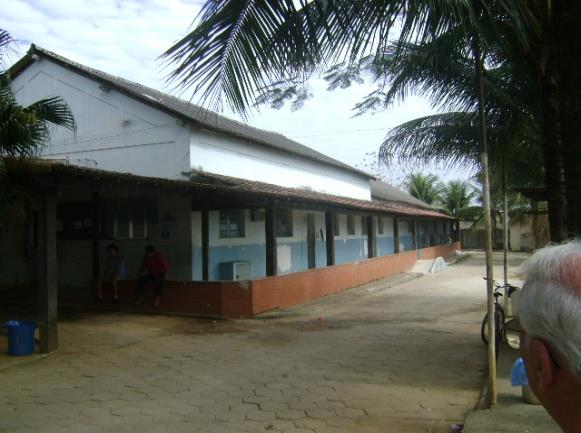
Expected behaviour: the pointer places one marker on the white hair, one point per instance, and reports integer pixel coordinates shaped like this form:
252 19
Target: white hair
550 302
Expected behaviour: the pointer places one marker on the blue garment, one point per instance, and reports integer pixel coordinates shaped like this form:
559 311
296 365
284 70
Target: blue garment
115 266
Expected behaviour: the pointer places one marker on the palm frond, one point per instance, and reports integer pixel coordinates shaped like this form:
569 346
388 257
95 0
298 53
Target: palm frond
424 187
53 110
238 47
450 139
7 46
23 130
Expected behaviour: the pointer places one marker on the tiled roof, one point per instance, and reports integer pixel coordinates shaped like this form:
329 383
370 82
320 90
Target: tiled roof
243 185
207 182
185 110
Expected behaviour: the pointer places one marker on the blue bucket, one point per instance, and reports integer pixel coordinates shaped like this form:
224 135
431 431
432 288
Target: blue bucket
20 337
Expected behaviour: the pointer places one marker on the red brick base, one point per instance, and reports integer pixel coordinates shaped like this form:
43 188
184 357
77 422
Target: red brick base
237 300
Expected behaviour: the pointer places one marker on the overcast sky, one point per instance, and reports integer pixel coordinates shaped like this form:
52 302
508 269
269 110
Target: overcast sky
125 37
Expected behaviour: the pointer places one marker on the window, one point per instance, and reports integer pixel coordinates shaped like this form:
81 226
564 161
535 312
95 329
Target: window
404 227
75 220
350 224
232 224
363 226
283 223
132 218
336 229
379 225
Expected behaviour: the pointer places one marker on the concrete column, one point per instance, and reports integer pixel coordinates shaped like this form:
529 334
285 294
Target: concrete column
395 235
270 236
205 245
370 237
414 228
330 233
95 222
47 275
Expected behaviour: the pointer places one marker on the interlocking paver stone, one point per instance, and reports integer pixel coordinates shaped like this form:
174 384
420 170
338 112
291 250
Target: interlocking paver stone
404 358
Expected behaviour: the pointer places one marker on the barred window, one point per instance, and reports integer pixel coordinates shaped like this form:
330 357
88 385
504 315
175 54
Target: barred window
132 218
283 223
232 224
350 224
363 225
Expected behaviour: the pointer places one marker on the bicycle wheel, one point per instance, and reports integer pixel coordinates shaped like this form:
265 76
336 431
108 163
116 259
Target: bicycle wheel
499 324
484 330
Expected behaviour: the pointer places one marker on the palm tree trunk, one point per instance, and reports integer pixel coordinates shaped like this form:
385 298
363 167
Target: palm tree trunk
554 170
487 220
566 18
552 144
505 222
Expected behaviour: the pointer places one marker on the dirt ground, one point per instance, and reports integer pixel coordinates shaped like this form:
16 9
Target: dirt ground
385 357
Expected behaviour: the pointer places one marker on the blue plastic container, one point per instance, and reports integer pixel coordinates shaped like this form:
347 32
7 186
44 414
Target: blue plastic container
20 337
518 373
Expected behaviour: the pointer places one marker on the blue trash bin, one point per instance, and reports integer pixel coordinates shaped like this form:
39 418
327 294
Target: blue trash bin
20 337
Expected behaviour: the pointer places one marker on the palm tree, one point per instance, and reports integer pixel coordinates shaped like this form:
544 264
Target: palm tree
456 198
24 129
424 187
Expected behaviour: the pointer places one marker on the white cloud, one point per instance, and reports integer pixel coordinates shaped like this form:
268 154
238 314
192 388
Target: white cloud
125 38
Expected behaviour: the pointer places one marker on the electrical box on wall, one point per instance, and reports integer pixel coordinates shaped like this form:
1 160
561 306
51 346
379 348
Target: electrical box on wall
235 271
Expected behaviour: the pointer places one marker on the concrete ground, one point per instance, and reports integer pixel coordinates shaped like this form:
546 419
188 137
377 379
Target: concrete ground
511 414
380 358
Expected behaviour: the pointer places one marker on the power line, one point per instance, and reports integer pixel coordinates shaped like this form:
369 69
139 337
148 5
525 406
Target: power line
345 131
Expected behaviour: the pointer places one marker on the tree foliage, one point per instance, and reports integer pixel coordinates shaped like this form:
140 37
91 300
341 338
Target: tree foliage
239 47
23 129
424 187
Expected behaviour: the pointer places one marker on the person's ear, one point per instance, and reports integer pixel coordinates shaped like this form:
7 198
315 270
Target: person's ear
544 365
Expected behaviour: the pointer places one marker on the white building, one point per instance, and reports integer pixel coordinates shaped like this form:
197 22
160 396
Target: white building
220 199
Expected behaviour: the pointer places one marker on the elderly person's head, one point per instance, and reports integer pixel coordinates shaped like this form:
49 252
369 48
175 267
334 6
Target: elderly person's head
550 317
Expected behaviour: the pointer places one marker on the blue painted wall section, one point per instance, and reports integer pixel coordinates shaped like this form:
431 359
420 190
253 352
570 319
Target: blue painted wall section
252 253
406 241
298 257
350 250
385 246
321 254
421 236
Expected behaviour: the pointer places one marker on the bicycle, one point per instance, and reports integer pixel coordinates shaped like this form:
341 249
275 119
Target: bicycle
500 331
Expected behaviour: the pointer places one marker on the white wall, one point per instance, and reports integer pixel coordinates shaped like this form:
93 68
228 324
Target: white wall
521 236
230 156
293 252
114 132
118 133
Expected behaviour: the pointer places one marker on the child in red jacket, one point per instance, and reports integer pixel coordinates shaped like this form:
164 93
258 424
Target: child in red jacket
153 268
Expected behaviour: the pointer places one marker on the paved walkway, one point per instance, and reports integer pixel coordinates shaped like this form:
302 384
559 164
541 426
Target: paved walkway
381 358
